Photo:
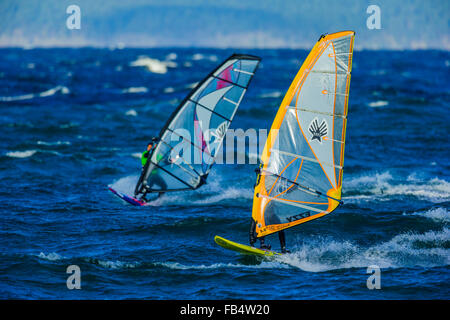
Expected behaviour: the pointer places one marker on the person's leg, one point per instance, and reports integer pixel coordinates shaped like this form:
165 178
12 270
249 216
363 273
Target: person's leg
263 245
252 233
282 238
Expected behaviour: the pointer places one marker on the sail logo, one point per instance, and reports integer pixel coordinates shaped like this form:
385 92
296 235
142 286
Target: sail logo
318 130
220 132
299 216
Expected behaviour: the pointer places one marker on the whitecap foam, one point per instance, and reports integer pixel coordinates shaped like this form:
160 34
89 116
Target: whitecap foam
273 94
192 85
52 256
126 184
179 266
29 96
117 264
18 98
52 91
435 190
199 56
135 90
153 65
169 90
378 104
171 56
57 143
131 113
382 186
436 214
21 154
404 250
377 179
212 192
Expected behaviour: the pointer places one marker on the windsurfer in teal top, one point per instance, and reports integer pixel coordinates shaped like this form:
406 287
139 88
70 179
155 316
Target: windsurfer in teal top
154 178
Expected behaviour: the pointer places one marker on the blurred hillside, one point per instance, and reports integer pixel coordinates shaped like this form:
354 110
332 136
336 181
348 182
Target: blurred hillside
412 24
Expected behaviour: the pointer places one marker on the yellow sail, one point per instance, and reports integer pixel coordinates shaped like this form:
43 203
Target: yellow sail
303 159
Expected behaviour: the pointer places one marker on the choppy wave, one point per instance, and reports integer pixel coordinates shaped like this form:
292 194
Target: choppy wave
21 154
52 256
436 214
428 249
153 65
29 96
114 264
179 266
29 153
56 143
321 254
212 193
383 186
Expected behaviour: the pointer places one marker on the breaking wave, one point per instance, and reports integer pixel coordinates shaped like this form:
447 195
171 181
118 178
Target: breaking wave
435 214
384 186
428 249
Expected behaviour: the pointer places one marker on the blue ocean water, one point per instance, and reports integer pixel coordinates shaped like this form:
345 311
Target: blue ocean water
74 121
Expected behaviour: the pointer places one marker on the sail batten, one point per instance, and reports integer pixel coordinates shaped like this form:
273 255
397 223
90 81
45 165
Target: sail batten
204 107
294 203
189 142
318 112
306 158
305 146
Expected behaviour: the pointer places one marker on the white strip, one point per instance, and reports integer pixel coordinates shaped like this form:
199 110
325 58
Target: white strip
306 158
239 102
339 94
329 139
307 190
293 204
230 101
342 54
318 112
242 71
329 72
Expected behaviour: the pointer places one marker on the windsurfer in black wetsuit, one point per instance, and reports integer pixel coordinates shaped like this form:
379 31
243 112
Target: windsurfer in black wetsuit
253 235
263 245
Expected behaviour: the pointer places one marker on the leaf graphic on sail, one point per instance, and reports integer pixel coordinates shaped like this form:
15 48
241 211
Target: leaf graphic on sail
192 137
303 157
